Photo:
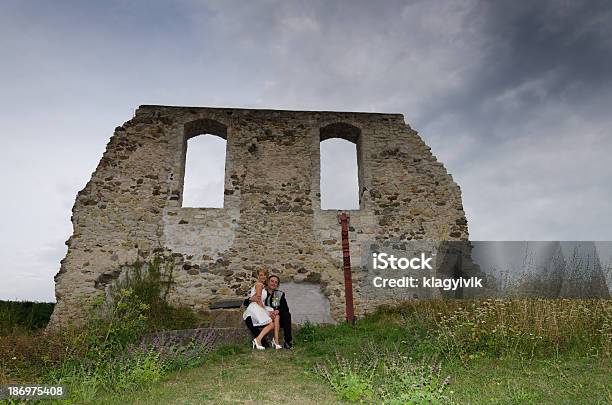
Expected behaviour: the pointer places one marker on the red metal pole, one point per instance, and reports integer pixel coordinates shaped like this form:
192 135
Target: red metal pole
346 261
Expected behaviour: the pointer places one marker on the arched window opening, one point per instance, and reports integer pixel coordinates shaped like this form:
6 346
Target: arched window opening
203 167
204 181
339 182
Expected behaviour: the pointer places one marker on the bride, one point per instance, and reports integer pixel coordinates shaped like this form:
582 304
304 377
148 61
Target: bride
260 314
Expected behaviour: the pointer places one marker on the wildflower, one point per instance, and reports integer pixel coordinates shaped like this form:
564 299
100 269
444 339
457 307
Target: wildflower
446 380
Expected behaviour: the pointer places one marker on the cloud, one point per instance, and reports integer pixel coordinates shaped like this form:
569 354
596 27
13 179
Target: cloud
513 97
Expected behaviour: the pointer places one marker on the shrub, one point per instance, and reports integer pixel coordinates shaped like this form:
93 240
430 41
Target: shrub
96 356
101 354
385 376
23 316
151 282
85 380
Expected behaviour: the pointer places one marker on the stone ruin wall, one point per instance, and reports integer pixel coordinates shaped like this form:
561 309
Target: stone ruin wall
271 215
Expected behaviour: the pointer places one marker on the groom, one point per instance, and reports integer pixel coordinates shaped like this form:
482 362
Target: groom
275 299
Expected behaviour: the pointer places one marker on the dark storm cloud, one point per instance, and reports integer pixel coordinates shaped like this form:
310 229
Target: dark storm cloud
545 50
531 39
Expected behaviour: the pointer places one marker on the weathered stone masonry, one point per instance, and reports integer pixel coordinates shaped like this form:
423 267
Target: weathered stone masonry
271 214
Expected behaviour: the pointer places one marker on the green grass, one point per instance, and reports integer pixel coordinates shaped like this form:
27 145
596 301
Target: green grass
286 376
242 377
396 353
24 315
435 352
564 380
99 355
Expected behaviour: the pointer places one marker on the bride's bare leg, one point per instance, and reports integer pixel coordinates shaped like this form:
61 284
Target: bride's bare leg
276 328
264 332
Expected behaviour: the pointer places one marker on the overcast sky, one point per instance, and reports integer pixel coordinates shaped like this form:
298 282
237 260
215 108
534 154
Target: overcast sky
514 97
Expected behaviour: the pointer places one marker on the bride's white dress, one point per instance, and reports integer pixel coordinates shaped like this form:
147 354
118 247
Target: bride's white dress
258 315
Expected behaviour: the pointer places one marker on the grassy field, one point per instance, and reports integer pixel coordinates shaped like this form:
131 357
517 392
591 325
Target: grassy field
518 351
241 377
285 377
393 357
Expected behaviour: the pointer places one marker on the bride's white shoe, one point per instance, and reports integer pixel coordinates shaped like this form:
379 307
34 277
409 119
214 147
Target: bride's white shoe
258 346
276 345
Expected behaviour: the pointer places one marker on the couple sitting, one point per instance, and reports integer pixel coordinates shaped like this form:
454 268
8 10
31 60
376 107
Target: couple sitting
267 311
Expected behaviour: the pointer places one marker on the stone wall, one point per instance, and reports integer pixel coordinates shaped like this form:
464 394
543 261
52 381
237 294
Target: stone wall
271 215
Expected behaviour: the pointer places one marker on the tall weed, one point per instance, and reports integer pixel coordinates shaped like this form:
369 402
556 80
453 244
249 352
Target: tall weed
101 355
385 376
532 327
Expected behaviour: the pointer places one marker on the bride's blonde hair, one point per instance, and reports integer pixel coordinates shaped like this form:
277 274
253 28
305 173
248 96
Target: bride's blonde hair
264 271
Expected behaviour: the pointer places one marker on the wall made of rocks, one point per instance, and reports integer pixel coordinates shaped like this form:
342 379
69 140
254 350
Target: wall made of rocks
271 217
